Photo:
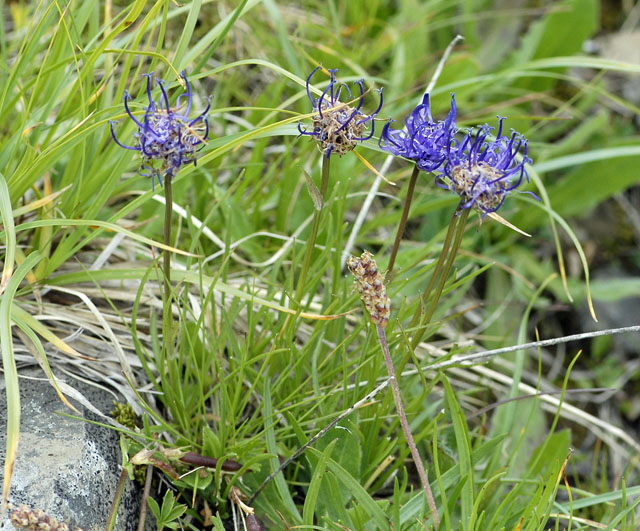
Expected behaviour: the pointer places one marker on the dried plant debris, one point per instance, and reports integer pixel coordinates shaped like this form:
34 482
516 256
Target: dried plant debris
29 519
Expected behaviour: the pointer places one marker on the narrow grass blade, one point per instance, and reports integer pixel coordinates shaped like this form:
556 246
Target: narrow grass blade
311 499
608 497
187 32
96 223
40 355
359 493
18 314
10 372
9 230
279 482
463 446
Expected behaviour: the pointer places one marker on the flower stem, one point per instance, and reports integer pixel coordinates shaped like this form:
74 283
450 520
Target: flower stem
424 298
145 496
403 223
315 228
117 498
382 338
166 255
440 273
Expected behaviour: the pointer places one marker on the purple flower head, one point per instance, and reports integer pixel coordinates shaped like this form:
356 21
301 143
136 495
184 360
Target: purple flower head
422 139
166 138
483 172
338 127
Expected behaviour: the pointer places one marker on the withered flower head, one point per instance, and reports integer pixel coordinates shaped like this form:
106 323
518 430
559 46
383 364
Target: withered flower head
337 126
370 284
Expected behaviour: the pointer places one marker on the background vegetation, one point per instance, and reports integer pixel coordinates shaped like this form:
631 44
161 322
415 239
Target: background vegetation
535 438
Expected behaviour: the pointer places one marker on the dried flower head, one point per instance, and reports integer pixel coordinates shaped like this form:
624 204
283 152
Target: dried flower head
370 284
482 171
337 126
167 139
422 139
29 519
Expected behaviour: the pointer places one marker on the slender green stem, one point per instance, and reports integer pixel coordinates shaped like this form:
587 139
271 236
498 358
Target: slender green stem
315 228
443 269
117 498
382 338
460 227
167 319
424 298
403 223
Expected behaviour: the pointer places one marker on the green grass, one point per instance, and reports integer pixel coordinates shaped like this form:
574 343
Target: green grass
257 371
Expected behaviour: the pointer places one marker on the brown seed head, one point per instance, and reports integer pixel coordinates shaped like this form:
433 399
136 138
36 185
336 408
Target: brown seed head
480 184
35 520
339 128
370 284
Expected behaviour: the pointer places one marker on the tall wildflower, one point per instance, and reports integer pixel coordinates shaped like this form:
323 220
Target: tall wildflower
337 126
166 138
424 141
483 171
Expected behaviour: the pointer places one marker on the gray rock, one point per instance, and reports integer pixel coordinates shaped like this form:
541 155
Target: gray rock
67 467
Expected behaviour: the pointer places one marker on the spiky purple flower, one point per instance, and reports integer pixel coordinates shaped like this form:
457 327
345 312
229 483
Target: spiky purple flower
167 139
482 171
337 126
422 139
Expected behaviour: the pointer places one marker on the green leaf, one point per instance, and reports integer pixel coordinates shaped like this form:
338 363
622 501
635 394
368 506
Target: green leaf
155 510
463 446
547 464
279 482
360 495
584 187
615 289
12 390
607 497
171 510
562 31
348 452
186 33
310 501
